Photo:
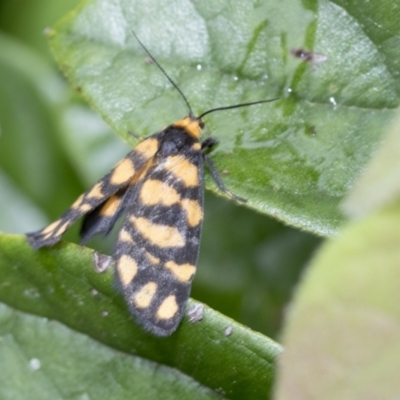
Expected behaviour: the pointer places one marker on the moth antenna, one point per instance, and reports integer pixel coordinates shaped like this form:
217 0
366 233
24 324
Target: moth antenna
165 73
236 106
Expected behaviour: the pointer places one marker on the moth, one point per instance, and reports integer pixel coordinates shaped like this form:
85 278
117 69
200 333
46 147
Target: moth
159 188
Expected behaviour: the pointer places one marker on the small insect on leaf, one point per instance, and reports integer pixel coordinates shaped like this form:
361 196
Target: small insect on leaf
158 187
196 313
101 262
228 331
308 56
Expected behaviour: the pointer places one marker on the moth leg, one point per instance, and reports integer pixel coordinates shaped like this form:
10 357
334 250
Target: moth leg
136 136
208 144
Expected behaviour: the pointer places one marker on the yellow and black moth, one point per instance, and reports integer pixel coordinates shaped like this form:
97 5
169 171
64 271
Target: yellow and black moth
159 188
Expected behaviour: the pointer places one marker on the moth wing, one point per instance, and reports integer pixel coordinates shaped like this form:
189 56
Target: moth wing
98 196
157 248
102 219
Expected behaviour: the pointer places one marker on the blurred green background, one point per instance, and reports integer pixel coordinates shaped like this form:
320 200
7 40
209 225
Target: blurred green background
52 147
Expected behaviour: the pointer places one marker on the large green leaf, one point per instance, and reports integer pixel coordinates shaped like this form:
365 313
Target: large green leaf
41 359
342 337
294 158
61 283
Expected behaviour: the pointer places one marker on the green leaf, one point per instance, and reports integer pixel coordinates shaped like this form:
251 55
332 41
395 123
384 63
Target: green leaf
379 184
42 351
293 159
342 335
60 283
